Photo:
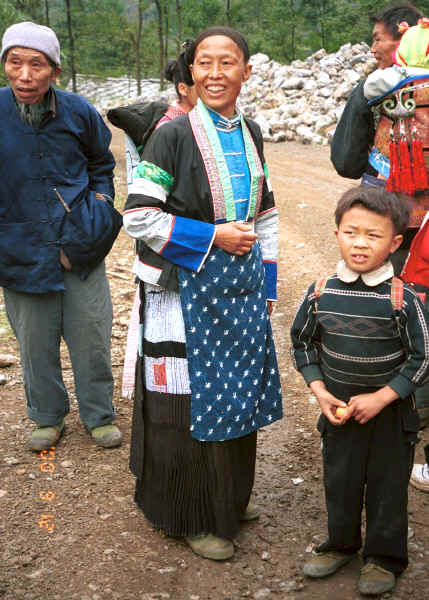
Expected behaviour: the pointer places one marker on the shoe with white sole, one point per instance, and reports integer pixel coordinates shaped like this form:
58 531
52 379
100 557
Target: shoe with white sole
420 477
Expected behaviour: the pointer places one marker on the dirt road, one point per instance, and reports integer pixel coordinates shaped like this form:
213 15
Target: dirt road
100 547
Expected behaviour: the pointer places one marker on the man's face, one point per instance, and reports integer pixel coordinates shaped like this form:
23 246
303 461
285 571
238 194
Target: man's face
30 74
383 45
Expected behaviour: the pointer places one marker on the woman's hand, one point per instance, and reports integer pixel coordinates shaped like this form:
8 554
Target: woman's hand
235 238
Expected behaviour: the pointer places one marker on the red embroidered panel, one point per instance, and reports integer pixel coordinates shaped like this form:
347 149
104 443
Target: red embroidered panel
160 373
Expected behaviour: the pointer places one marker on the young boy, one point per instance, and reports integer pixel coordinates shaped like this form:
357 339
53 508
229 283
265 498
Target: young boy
356 351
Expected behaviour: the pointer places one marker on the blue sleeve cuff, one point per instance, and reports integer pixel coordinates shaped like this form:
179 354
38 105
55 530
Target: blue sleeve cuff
189 243
271 279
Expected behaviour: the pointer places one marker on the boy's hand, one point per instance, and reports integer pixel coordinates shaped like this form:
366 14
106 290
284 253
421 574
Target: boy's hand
366 406
328 403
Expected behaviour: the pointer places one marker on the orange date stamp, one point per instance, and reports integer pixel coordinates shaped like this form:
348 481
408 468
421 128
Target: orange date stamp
47 465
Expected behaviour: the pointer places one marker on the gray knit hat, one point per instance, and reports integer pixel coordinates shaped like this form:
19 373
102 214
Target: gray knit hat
30 35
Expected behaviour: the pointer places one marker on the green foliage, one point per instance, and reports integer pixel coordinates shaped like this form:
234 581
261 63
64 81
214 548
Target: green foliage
104 30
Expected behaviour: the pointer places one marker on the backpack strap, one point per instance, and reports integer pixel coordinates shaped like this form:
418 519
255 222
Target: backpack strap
397 293
319 288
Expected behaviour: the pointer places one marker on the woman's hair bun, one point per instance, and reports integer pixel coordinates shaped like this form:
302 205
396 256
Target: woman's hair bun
170 70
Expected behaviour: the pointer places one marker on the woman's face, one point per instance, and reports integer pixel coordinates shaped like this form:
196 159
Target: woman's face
188 96
219 71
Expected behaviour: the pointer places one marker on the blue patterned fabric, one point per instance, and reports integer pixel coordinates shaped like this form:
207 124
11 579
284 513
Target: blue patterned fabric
232 363
380 162
231 140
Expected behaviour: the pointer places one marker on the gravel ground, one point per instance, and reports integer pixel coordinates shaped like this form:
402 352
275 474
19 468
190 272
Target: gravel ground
73 531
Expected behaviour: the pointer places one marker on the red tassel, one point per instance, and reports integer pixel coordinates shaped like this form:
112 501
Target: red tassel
392 184
419 169
406 184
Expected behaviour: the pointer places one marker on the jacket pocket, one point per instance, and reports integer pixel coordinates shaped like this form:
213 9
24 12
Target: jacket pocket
410 420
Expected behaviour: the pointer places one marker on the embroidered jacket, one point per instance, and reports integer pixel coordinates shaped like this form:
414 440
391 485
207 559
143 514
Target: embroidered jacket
175 215
352 339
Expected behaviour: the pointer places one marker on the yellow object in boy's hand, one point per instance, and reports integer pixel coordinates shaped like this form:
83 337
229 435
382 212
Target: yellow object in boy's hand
341 412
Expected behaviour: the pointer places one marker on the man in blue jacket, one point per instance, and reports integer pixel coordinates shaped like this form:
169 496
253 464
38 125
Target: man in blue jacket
57 223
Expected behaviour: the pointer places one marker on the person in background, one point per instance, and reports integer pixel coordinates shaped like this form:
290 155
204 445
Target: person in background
57 223
177 71
416 273
354 135
207 376
361 342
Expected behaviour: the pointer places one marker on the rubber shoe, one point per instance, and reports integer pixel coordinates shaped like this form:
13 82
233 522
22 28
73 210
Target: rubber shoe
252 512
375 580
210 546
326 563
43 438
423 416
107 436
420 477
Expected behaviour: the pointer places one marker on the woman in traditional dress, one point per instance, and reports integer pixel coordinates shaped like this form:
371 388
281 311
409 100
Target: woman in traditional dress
207 376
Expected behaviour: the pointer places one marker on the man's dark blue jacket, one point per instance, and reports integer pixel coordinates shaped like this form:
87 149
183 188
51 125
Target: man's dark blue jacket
69 152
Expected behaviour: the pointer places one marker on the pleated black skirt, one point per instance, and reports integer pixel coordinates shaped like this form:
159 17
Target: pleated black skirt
184 486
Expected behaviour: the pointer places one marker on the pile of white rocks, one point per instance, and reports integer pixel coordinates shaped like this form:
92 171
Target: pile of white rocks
302 101
118 91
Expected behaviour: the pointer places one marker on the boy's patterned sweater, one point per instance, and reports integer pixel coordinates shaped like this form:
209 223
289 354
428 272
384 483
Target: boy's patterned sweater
352 338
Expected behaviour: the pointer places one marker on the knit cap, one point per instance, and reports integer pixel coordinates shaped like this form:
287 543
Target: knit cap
31 35
413 48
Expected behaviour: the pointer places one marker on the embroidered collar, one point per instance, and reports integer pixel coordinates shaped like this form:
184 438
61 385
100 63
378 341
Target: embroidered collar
207 139
223 123
372 278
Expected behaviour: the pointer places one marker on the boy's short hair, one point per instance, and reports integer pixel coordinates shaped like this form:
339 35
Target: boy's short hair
393 15
376 199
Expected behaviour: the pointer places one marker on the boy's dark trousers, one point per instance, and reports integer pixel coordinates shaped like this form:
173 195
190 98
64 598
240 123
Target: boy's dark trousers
370 465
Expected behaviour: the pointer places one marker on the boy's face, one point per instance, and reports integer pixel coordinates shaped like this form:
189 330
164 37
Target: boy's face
366 239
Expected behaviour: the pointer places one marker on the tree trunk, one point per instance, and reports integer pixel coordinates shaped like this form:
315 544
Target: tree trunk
165 32
159 7
47 13
71 45
137 46
292 32
179 26
228 13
